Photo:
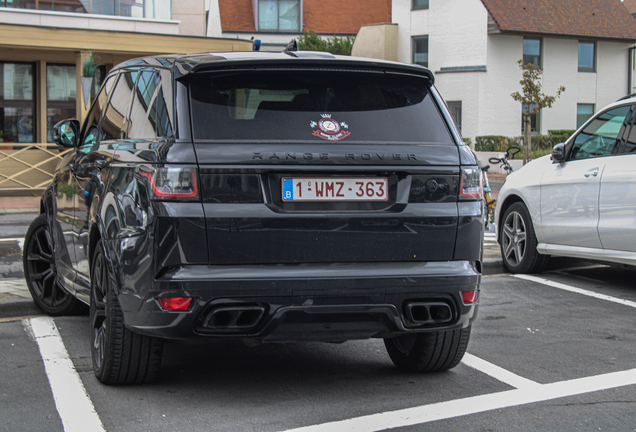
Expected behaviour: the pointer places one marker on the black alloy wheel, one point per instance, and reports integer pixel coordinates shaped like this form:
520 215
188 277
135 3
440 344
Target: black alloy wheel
41 274
428 352
119 355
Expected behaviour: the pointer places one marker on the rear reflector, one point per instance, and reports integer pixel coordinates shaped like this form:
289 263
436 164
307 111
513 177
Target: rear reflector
174 303
470 296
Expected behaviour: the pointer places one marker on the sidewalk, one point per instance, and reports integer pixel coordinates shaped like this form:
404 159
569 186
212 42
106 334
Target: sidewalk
19 204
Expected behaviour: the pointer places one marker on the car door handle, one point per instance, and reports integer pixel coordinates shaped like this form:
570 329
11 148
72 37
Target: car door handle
591 173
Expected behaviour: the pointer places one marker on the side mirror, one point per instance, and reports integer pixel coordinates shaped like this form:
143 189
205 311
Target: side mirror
558 153
66 133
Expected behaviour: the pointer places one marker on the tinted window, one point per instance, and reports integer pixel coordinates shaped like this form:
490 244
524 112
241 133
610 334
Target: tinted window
599 137
315 106
151 114
113 125
91 126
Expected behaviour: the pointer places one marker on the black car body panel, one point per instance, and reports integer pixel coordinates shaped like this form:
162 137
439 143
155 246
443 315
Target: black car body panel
195 209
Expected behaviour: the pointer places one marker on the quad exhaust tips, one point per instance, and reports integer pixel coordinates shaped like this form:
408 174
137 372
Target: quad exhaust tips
234 318
419 314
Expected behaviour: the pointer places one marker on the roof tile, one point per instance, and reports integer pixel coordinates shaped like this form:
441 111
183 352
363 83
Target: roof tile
598 19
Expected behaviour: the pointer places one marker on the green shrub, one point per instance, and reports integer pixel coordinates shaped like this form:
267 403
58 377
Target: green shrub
493 143
310 41
468 142
542 144
561 131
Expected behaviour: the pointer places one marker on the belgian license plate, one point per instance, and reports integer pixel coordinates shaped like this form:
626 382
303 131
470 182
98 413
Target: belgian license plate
335 189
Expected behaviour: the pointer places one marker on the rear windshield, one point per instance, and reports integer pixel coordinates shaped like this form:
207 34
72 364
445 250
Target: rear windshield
315 106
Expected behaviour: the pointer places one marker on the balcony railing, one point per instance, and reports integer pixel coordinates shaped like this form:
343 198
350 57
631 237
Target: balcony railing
152 9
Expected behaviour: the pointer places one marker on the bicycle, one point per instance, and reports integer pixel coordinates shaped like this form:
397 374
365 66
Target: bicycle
491 203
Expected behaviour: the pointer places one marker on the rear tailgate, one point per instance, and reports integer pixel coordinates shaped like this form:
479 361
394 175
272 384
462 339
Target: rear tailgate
250 222
323 167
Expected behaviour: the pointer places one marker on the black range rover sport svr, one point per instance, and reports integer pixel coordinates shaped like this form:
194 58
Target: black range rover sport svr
266 197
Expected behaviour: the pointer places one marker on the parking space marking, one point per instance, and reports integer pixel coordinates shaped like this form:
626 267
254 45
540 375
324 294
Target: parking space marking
575 290
71 400
476 404
498 372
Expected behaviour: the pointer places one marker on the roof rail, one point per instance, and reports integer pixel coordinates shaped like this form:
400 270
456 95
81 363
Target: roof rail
629 96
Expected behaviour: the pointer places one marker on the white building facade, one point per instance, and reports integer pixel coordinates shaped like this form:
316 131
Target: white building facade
476 70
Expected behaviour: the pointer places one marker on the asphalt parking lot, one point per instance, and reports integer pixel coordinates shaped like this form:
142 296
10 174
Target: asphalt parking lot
552 352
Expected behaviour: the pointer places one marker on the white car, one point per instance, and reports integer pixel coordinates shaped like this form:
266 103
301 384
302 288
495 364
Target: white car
578 202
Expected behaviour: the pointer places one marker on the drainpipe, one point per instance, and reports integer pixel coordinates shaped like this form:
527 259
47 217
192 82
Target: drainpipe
630 70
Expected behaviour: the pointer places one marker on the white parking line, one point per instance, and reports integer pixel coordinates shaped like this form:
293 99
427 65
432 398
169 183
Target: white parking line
498 373
476 404
71 400
575 290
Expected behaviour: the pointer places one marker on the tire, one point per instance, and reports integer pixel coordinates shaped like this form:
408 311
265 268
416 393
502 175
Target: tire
41 275
519 242
428 352
119 355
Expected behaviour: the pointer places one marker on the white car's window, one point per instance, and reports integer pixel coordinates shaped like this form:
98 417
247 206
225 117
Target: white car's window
600 136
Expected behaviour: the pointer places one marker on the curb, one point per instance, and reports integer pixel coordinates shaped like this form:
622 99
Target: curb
19 210
492 266
10 308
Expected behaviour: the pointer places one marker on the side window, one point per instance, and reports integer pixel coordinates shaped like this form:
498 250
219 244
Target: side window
114 126
601 135
91 132
151 114
629 144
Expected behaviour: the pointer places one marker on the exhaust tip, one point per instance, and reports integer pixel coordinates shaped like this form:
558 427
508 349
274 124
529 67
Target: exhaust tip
427 313
234 318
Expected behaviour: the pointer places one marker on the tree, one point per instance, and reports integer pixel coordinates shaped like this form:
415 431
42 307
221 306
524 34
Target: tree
340 45
310 41
532 99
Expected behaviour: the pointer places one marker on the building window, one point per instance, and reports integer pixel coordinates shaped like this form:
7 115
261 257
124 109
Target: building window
455 108
532 51
60 95
279 15
420 4
583 113
155 9
587 58
17 102
535 120
420 50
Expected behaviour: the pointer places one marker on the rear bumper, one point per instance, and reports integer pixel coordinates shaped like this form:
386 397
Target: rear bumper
320 302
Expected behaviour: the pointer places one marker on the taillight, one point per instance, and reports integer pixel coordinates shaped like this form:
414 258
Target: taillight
175 303
470 297
172 182
470 185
